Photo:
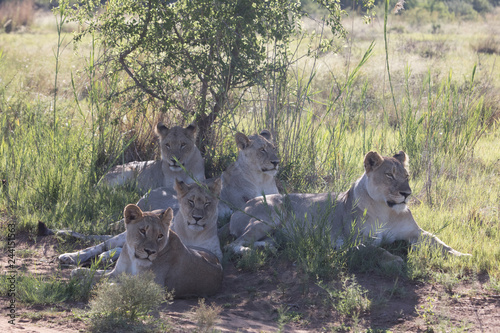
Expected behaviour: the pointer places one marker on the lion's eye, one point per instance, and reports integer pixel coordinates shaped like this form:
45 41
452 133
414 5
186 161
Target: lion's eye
191 203
390 175
160 236
183 145
142 231
263 150
167 145
207 204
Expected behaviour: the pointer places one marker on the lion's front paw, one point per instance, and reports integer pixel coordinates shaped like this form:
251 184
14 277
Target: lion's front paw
391 262
69 258
269 245
237 249
111 255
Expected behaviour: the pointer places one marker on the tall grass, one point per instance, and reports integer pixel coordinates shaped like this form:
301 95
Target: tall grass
324 122
18 13
49 160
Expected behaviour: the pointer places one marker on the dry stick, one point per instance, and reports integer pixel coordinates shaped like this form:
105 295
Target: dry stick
387 59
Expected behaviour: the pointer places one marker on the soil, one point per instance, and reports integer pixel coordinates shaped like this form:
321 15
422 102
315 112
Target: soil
254 302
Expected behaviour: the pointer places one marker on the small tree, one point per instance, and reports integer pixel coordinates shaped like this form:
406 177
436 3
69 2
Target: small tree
200 51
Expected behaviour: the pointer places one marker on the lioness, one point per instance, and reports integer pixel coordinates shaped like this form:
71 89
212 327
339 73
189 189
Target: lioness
151 245
375 207
178 150
252 174
195 221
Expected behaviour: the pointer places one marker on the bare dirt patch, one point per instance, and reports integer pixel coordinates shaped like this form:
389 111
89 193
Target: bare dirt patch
276 297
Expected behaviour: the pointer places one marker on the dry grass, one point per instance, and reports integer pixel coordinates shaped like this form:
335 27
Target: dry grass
18 13
488 45
206 316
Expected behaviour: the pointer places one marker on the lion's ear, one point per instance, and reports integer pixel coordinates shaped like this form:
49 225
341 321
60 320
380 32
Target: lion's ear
180 187
132 213
267 135
403 158
191 131
161 130
372 161
242 141
167 216
215 187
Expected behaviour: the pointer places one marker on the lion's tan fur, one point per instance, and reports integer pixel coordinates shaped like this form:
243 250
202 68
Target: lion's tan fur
178 151
196 221
374 208
252 174
151 245
161 199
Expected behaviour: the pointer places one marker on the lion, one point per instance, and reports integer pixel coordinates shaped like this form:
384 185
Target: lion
374 210
195 220
178 152
152 245
252 174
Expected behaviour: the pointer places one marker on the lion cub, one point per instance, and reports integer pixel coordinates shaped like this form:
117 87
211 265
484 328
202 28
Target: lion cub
152 245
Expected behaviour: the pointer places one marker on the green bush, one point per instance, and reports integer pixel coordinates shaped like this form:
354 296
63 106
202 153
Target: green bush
126 300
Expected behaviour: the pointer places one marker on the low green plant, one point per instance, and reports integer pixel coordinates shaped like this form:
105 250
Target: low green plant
33 289
427 311
285 316
309 244
206 316
447 280
253 260
126 301
350 299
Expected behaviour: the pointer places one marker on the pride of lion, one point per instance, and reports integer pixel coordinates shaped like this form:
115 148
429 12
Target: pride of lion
185 254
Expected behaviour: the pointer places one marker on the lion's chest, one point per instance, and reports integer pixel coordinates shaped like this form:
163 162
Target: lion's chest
385 226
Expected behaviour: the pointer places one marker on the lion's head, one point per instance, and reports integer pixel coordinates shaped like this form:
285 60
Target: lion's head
177 144
147 232
198 204
258 152
388 179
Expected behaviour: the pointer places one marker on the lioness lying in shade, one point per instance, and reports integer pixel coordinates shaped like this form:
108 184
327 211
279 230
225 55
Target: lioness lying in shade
252 174
195 221
374 208
152 245
178 152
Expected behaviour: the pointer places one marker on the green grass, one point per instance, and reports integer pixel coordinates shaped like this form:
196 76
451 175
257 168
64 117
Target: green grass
31 289
326 114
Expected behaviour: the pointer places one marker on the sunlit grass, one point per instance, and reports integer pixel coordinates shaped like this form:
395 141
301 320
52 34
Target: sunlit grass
324 121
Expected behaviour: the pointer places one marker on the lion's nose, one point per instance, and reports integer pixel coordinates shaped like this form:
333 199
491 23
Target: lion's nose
149 252
275 163
405 194
197 217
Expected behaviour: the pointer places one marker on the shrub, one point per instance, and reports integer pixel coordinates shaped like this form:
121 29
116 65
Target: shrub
350 300
125 301
206 315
